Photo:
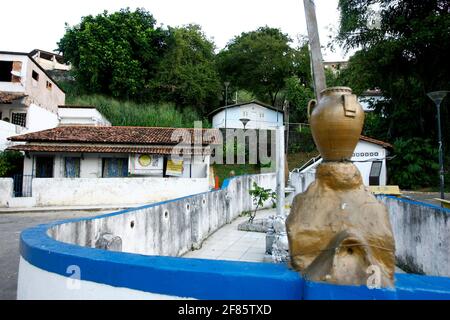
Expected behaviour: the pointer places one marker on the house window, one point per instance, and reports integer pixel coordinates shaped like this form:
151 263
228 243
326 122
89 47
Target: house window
19 118
375 172
35 75
48 85
72 167
44 167
5 71
114 167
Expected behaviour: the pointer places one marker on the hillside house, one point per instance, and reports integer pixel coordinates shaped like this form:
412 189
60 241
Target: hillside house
255 114
29 97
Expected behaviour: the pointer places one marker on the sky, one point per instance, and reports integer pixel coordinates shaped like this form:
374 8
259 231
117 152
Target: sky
26 25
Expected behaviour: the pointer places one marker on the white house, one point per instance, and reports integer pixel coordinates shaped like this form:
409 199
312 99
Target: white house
257 115
98 165
29 97
70 115
369 157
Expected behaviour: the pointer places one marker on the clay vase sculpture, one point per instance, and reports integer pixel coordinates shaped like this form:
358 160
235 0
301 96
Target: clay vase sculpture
336 123
338 232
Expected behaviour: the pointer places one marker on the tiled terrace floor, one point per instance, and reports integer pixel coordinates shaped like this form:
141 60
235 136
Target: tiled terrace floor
228 243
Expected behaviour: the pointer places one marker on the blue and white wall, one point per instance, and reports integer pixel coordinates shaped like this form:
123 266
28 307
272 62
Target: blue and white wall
60 260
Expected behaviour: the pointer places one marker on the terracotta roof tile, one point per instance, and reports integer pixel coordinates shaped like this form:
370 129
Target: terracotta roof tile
8 97
163 150
375 141
116 135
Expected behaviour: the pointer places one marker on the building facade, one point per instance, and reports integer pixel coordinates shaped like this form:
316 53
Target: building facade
255 114
29 97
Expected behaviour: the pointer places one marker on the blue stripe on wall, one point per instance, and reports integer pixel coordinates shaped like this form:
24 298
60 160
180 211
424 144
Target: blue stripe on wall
204 279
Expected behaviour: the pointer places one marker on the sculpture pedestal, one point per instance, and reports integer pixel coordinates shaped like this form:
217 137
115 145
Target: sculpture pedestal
339 232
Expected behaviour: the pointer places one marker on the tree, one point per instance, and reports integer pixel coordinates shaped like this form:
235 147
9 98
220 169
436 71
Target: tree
259 196
258 61
114 54
187 74
406 56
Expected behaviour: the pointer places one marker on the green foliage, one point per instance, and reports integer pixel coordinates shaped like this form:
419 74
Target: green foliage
406 58
126 113
114 54
187 73
415 165
10 163
259 196
258 61
301 140
298 96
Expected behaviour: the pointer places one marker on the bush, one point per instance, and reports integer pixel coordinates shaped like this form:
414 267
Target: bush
416 164
126 113
11 162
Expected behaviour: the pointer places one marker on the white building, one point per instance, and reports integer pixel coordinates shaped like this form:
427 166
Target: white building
258 114
29 97
98 165
70 115
369 157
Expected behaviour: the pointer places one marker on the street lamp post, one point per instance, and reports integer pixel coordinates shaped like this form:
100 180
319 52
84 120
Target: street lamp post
437 97
226 83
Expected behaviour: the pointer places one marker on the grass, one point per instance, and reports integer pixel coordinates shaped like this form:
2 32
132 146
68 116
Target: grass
126 113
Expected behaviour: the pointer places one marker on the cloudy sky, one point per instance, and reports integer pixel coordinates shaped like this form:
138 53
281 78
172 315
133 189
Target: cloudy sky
26 25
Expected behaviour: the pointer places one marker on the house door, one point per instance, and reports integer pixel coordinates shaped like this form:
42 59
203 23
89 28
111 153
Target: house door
44 167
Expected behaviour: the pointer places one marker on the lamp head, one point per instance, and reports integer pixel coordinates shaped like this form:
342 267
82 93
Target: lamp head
437 96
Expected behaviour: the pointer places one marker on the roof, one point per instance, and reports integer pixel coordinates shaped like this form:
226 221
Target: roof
243 104
375 141
116 135
37 64
8 97
162 150
58 56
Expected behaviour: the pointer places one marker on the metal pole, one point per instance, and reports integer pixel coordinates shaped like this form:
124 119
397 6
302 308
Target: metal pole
441 156
280 171
318 71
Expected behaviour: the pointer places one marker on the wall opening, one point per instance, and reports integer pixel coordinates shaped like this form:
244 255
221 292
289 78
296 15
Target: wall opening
5 71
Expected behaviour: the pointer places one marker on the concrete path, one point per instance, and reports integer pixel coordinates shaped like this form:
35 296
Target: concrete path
228 243
10 227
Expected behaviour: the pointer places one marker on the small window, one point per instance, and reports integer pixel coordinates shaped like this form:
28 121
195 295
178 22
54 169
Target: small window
19 118
375 172
72 167
35 75
5 71
48 85
44 167
114 167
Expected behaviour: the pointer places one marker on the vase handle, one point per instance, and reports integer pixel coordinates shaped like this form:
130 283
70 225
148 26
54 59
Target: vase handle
311 104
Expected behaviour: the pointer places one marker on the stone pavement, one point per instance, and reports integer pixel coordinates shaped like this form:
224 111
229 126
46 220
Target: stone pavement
228 243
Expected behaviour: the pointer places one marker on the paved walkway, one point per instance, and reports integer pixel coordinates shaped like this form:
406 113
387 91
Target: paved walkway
228 243
10 227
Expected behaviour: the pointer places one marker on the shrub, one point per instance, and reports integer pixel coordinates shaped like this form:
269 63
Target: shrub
416 164
10 163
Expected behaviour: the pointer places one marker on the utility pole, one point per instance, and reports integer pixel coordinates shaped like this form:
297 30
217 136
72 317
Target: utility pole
280 170
318 72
